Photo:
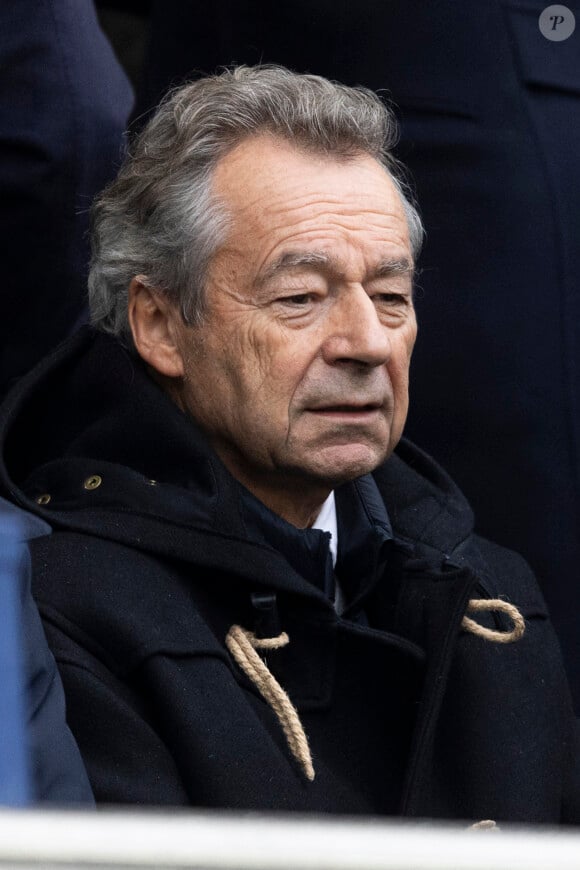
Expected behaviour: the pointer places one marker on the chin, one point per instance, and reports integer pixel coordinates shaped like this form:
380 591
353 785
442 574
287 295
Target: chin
340 465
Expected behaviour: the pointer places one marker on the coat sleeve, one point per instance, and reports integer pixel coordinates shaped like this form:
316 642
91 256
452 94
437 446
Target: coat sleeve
126 760
546 707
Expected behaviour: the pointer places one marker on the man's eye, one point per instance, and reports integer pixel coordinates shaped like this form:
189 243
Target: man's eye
297 299
391 299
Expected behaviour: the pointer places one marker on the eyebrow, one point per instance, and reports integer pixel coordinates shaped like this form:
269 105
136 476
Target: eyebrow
294 260
389 267
300 259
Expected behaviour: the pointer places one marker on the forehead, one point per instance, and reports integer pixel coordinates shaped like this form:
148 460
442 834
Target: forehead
279 195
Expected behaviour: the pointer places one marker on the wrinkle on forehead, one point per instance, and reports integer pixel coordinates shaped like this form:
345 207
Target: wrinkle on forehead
284 204
266 174
284 201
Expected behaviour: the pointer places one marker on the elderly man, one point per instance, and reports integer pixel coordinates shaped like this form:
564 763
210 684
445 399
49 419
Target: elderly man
254 601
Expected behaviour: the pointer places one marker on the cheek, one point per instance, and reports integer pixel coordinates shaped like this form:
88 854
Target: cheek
411 337
402 351
211 379
401 357
273 361
400 384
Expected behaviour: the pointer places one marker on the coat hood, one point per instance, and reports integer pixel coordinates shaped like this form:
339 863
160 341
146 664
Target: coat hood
89 442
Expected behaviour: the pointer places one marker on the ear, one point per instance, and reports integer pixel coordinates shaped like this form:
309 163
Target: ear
153 321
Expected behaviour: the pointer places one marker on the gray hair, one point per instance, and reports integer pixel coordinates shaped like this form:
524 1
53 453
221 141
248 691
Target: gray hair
159 219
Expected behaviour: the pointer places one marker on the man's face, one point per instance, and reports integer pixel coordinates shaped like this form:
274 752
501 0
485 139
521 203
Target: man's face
299 373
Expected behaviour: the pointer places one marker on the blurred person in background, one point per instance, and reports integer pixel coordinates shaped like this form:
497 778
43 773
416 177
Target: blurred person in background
65 102
39 760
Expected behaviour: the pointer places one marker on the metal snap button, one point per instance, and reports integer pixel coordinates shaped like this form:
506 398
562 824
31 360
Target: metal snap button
152 482
93 482
43 499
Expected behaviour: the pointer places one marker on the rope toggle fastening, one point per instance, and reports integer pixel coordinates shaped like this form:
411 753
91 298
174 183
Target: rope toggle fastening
242 645
494 605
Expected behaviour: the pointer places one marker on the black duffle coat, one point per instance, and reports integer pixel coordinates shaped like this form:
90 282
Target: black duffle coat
150 564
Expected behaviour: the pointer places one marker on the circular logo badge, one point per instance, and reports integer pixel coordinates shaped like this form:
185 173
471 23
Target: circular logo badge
557 23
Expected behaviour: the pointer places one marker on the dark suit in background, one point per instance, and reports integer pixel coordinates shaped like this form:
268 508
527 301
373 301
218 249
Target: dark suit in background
64 103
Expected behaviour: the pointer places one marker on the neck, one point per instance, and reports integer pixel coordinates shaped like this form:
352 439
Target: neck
293 503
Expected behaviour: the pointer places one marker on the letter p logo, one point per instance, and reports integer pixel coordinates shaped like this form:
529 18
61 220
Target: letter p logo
557 23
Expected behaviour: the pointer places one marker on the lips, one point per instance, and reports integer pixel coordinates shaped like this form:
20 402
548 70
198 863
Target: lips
345 414
345 408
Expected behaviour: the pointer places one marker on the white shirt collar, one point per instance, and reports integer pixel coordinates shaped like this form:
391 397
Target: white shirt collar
326 522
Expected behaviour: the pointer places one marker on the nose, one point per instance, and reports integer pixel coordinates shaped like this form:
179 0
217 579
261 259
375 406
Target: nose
355 332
